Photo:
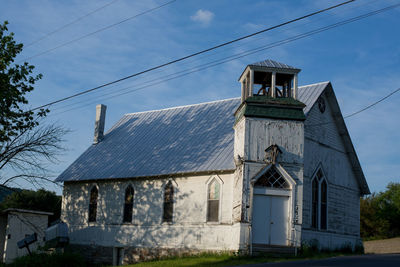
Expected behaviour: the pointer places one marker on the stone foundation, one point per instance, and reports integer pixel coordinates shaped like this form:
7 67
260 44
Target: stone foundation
93 254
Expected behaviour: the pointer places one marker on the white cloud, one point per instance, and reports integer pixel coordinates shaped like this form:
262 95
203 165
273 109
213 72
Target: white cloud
203 16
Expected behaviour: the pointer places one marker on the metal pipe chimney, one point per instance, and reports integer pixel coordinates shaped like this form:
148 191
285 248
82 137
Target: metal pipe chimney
99 123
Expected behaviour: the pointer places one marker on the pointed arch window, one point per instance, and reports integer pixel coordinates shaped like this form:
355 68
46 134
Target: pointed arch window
319 212
315 194
272 178
94 193
213 197
128 205
324 200
168 209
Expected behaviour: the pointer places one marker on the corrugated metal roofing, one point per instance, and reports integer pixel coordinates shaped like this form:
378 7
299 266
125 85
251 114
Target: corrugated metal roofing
195 138
310 93
272 64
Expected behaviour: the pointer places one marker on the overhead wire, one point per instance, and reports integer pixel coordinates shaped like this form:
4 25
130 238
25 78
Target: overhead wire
193 60
373 104
359 111
194 54
242 54
97 31
69 24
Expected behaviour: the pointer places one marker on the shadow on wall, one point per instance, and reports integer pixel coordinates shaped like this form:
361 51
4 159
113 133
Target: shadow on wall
151 233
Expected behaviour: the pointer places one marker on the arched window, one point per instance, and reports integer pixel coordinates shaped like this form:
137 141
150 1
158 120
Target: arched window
213 197
128 205
315 203
319 211
272 178
324 200
168 202
94 193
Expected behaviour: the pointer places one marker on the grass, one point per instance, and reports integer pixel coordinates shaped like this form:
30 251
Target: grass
230 260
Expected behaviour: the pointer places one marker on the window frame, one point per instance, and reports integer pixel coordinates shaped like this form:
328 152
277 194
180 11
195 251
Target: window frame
287 185
125 204
93 206
164 218
320 177
218 180
315 203
323 214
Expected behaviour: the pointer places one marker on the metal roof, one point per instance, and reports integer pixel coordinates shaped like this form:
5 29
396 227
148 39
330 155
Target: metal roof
309 94
188 139
28 211
272 64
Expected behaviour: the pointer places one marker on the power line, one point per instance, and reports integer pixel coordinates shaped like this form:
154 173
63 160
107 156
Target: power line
253 40
242 54
361 110
70 23
99 30
373 104
194 54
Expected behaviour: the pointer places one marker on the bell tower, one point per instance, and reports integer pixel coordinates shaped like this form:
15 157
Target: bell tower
269 78
269 143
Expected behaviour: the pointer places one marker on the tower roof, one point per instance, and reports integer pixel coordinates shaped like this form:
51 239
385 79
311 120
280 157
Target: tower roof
272 64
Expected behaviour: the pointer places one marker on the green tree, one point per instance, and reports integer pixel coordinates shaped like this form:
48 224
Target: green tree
371 223
23 143
380 214
15 82
389 208
41 200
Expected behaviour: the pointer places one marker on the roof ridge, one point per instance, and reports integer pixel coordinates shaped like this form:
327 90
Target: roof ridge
184 106
314 84
205 103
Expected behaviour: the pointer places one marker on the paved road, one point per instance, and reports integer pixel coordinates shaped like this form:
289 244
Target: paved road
382 260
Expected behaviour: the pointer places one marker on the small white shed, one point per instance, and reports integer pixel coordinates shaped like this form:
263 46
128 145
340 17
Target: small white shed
15 225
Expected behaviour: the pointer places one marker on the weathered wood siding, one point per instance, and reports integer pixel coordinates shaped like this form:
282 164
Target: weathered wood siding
252 137
188 229
324 147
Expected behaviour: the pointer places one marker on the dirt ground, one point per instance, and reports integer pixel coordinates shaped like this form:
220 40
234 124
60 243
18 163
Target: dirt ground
391 245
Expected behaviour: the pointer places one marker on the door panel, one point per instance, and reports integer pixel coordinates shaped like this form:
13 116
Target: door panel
270 220
261 218
279 222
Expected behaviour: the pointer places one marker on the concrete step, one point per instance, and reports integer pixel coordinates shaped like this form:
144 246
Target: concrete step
272 249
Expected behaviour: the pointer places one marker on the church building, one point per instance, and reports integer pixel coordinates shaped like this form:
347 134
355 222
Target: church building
266 172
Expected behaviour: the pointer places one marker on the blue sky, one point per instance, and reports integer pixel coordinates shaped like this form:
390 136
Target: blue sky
361 60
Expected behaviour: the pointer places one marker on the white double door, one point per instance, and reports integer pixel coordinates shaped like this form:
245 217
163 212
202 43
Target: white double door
270 220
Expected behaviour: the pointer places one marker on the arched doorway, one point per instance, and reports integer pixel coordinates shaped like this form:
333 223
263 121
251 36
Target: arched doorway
271 208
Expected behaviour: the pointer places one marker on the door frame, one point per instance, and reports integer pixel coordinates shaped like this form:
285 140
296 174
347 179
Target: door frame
291 193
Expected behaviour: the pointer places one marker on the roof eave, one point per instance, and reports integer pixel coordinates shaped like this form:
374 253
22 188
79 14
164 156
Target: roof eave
344 133
161 176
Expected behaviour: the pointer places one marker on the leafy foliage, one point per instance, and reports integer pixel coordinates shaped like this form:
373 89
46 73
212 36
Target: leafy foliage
23 143
15 82
380 214
41 200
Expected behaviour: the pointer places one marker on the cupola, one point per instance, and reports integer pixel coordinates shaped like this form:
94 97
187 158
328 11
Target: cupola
269 78
269 90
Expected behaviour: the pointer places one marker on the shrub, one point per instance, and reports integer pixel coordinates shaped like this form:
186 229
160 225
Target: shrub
309 248
346 248
359 248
